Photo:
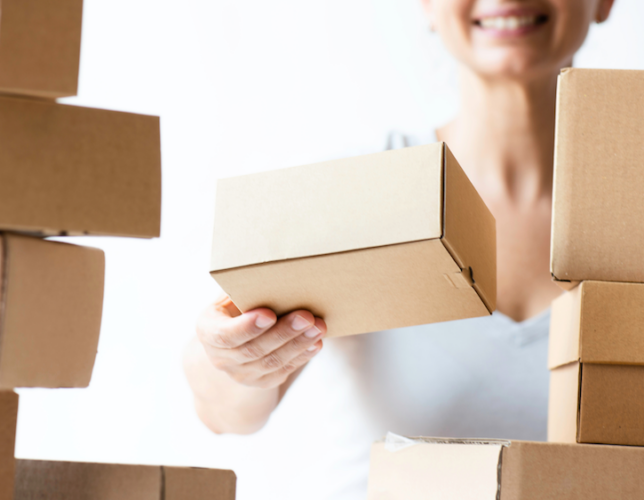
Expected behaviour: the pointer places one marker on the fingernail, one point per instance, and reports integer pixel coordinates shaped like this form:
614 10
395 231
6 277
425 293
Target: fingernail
299 323
314 347
312 332
263 321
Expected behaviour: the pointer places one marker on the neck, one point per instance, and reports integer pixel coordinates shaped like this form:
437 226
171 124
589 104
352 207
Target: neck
504 134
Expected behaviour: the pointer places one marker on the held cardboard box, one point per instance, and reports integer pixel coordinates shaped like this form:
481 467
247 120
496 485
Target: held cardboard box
450 469
597 365
8 421
44 480
597 230
369 243
40 47
73 170
51 301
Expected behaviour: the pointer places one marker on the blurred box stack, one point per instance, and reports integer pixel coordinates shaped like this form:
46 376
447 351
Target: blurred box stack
597 328
596 352
65 170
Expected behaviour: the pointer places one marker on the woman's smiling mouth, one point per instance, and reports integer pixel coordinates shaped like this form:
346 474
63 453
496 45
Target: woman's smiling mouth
510 23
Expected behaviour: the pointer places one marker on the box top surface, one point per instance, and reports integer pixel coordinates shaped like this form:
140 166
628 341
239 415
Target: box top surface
598 322
599 176
337 206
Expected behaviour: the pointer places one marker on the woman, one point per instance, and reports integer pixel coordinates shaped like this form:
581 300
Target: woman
483 377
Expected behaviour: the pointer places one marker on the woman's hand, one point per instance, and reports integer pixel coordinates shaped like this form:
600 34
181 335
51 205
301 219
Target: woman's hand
255 348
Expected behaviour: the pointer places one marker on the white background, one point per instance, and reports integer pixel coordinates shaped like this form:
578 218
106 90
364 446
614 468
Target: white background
241 86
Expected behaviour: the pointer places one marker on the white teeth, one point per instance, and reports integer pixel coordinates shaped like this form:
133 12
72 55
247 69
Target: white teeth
507 23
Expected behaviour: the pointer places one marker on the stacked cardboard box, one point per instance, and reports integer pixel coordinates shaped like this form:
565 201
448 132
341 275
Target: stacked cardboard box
596 342
66 170
596 411
365 243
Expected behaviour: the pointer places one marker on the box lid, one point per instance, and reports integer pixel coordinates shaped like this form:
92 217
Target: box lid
597 232
598 322
337 206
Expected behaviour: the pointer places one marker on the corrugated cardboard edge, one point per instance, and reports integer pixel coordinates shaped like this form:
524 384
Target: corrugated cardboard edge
469 230
3 282
8 422
565 284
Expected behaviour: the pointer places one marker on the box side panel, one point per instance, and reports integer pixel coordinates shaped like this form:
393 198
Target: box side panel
41 479
597 230
53 308
78 170
422 471
470 230
8 421
342 205
612 322
563 403
536 471
40 47
565 325
612 405
198 484
362 291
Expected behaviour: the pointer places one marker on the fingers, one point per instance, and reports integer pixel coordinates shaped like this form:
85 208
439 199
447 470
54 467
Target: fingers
286 329
278 377
218 329
304 345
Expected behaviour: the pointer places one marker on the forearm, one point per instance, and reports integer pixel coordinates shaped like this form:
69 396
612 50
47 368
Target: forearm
223 405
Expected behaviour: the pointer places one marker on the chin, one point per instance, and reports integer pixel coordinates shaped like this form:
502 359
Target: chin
513 64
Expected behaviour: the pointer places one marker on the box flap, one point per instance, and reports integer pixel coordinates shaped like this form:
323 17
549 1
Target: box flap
538 471
41 479
442 468
563 403
354 203
470 231
52 305
8 421
597 232
181 483
40 47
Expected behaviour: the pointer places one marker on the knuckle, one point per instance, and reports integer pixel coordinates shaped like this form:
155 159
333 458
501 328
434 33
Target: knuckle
284 335
289 368
222 340
251 351
271 362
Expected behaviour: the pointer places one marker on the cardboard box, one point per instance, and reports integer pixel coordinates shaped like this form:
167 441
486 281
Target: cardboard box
597 362
369 243
8 421
73 170
51 303
40 47
597 231
44 480
449 469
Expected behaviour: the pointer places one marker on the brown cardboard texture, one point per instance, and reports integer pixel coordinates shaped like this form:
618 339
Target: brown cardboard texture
40 47
73 170
51 301
597 231
45 480
369 243
513 470
597 365
8 421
